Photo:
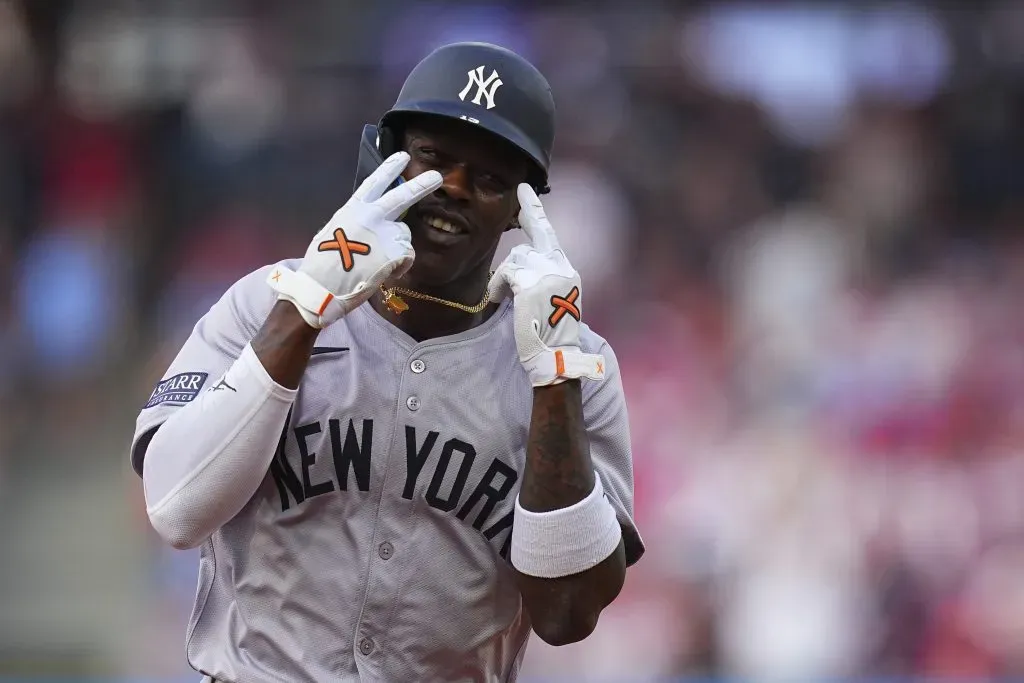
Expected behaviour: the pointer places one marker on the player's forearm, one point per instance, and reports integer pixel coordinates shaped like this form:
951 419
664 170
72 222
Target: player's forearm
559 474
284 344
208 459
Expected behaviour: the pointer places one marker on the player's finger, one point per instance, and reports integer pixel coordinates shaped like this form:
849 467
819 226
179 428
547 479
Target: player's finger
404 265
519 254
498 287
534 221
377 182
404 233
398 200
395 230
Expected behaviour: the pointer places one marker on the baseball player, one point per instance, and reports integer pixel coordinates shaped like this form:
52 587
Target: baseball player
397 464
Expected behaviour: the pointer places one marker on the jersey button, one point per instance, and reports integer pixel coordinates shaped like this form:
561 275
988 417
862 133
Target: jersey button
418 366
366 646
413 403
386 550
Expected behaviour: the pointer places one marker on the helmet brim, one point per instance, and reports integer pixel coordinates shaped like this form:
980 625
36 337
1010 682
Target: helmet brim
473 115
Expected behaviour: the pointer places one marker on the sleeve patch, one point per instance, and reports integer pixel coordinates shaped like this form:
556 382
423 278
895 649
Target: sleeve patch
177 389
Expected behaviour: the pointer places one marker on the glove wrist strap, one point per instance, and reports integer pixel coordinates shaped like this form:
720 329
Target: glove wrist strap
554 366
306 294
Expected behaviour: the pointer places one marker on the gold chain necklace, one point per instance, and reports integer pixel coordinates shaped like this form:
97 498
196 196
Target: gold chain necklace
396 304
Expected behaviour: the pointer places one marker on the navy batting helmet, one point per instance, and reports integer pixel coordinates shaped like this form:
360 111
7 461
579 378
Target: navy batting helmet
485 85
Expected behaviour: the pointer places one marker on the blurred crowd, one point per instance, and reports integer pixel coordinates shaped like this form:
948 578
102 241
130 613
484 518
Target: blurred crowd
799 225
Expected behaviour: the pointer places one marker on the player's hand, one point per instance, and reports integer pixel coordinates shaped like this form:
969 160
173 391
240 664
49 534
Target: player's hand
548 299
363 244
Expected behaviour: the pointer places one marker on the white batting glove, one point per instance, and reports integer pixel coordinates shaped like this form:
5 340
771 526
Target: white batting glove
547 299
363 244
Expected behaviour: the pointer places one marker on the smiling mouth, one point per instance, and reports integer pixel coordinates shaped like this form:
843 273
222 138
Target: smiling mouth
443 225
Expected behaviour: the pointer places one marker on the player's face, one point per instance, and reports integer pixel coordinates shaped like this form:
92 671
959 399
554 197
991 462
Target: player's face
455 231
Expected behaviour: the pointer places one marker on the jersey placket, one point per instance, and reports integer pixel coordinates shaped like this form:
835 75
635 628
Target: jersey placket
394 530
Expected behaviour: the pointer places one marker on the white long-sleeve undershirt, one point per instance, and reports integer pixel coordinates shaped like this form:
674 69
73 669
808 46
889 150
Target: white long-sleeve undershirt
207 460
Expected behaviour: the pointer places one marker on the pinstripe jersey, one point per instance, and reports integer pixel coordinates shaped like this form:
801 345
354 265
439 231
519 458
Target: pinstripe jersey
376 547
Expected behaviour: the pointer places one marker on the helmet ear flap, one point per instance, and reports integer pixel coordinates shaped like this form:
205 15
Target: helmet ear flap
387 140
375 145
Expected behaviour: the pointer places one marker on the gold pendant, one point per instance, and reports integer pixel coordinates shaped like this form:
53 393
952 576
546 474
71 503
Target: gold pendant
395 303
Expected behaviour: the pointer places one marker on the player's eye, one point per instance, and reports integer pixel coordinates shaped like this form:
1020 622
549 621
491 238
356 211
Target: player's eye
428 154
492 183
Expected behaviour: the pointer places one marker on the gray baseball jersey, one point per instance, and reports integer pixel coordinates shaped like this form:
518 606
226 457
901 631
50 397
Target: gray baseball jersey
376 548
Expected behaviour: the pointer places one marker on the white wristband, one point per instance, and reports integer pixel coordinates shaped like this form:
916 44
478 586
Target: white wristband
565 541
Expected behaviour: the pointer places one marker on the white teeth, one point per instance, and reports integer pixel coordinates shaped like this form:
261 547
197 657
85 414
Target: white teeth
442 224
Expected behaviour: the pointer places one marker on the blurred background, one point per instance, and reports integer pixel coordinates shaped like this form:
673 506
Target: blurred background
799 224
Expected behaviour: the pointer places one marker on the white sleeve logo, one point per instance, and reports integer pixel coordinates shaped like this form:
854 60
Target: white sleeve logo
178 389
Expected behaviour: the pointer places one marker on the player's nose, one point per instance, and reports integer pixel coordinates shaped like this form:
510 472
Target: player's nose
456 183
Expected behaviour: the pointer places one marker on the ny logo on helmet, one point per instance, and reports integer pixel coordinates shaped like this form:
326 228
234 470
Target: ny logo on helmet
484 88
